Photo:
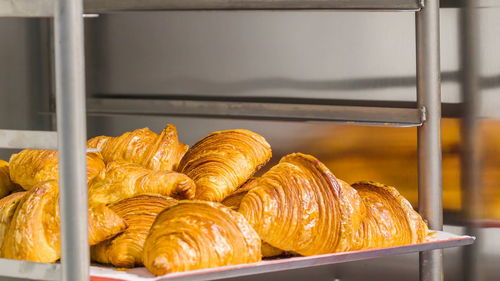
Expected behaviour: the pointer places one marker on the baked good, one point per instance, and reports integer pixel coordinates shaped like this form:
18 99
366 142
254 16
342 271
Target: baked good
199 234
33 233
143 147
123 180
30 166
224 160
126 249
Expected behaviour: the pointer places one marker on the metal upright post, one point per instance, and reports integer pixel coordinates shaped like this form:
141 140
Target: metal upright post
71 127
471 137
429 134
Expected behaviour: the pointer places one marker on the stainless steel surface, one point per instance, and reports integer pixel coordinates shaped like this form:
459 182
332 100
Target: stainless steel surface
30 270
429 134
471 183
134 5
28 139
444 240
45 8
405 117
26 8
72 132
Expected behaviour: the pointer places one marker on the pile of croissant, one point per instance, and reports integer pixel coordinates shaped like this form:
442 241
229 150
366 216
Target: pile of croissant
154 201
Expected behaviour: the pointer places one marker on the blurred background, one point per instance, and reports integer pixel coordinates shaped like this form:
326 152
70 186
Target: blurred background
368 57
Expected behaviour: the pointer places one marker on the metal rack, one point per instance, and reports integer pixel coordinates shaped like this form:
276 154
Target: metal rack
71 110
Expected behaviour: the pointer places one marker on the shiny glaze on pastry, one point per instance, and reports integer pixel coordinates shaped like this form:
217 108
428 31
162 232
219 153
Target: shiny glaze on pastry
224 160
126 249
299 206
8 206
233 201
29 167
390 219
199 234
6 185
33 233
143 147
123 180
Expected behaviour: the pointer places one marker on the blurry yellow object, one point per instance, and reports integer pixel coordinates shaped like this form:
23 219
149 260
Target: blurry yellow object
389 155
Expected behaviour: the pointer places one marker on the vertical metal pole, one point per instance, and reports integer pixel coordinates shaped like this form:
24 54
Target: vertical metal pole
429 134
471 137
71 127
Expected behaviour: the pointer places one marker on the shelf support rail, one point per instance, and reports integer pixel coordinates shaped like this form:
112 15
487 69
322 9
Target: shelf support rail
72 131
429 134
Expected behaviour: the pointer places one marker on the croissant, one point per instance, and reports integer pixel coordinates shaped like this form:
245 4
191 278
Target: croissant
224 160
233 201
199 234
299 206
29 167
125 250
143 147
6 185
125 180
8 206
33 233
390 219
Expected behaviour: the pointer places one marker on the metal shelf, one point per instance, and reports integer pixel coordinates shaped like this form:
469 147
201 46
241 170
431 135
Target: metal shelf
386 116
52 271
442 240
15 139
45 8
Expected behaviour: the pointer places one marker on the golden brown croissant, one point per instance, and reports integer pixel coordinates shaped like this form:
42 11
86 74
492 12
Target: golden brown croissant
224 160
390 219
143 147
233 201
6 185
299 206
29 167
126 249
125 180
199 234
33 233
8 206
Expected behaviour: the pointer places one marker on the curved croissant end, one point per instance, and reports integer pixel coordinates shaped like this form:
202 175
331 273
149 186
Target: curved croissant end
299 206
29 167
143 147
224 160
390 219
125 180
199 234
126 249
6 185
33 233
233 201
8 206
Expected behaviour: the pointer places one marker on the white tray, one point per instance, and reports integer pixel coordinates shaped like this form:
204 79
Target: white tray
439 240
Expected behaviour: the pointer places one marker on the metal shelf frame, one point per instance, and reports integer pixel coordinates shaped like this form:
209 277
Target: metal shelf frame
71 111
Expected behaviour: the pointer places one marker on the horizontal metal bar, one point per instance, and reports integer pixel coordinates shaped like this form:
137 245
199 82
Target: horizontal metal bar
30 270
28 139
45 8
443 240
401 117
